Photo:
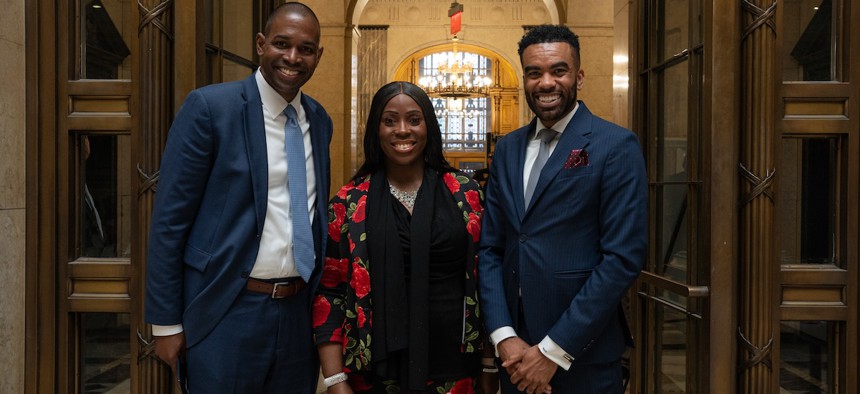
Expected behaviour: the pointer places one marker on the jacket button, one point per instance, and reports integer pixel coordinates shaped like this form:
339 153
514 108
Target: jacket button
523 238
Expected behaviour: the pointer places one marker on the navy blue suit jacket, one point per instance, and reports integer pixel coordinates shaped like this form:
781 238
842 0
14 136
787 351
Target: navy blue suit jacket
210 206
578 247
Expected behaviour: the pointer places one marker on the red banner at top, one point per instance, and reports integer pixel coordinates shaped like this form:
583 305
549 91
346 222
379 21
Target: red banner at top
456 14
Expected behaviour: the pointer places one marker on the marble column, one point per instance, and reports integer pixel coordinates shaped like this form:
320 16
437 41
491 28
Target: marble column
12 198
372 67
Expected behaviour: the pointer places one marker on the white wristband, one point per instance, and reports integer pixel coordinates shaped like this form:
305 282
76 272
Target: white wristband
335 379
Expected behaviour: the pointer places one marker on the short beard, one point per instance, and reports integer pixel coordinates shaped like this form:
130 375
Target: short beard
556 115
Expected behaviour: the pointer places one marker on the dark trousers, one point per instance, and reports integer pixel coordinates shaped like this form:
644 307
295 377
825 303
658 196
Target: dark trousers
262 345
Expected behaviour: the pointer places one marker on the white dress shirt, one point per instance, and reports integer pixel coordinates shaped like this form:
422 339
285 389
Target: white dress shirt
534 143
547 346
275 257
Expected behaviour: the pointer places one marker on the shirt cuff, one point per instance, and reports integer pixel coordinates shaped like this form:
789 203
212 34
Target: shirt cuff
163 331
500 334
552 351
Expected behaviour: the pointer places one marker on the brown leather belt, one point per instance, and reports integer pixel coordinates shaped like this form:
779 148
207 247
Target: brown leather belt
276 289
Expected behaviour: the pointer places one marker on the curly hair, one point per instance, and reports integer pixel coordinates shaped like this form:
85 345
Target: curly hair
373 156
542 34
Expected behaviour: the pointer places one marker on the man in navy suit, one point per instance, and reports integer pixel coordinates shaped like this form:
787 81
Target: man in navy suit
564 233
231 263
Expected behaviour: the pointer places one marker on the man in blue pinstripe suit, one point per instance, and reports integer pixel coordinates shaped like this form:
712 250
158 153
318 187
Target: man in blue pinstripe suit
564 234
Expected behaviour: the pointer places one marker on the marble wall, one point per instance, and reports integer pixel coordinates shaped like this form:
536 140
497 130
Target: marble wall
12 197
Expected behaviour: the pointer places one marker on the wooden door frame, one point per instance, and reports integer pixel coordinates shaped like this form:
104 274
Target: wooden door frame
717 166
40 256
721 112
799 287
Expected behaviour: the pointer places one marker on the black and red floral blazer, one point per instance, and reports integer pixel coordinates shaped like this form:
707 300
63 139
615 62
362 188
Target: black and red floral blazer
342 310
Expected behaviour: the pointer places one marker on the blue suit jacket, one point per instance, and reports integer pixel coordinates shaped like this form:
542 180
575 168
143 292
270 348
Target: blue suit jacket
579 246
210 206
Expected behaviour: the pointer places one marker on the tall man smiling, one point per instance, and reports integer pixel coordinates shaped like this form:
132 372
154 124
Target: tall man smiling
238 227
564 233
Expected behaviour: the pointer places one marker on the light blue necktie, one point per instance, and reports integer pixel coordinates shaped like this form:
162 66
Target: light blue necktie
303 241
545 135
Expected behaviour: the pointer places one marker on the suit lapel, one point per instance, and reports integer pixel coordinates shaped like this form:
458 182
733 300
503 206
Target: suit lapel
319 150
255 142
319 144
576 136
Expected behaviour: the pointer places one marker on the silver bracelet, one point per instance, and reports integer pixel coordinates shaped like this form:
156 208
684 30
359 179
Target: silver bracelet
335 379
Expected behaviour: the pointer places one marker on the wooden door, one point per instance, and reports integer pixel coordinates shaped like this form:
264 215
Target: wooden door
107 78
669 306
818 169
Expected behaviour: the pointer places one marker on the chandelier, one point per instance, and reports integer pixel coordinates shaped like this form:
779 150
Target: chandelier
456 79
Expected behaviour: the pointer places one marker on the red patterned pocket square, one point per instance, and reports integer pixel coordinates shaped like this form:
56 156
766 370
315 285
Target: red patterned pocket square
576 158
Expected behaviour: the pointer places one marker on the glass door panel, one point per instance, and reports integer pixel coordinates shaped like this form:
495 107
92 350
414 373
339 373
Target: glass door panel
671 341
98 273
808 211
673 286
809 350
810 40
103 349
105 219
230 38
670 357
106 29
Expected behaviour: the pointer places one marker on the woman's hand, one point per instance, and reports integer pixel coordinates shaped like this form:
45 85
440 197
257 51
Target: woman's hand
340 388
331 363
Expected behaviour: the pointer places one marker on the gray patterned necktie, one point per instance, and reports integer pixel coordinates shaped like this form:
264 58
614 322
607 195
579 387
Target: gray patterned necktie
545 136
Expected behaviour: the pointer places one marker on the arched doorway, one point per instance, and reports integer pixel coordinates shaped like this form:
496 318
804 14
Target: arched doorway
470 127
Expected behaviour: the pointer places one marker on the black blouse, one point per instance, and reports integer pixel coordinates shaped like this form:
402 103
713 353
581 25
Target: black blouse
448 248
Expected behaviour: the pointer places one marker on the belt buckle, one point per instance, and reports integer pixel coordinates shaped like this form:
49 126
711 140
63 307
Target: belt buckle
275 288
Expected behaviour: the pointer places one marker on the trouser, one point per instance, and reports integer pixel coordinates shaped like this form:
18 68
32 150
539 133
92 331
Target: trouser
262 345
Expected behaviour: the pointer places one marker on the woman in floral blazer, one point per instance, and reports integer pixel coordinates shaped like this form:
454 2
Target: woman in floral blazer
396 309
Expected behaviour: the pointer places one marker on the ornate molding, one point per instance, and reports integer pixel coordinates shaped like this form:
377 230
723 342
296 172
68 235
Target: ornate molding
148 182
760 185
759 355
761 17
151 17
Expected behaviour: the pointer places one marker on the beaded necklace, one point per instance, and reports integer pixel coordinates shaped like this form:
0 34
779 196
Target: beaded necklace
405 198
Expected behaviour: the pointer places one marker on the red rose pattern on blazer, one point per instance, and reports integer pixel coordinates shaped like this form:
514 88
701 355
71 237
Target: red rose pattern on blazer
343 312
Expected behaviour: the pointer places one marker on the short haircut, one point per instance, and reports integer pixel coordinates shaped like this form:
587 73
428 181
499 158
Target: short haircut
291 7
373 157
542 34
